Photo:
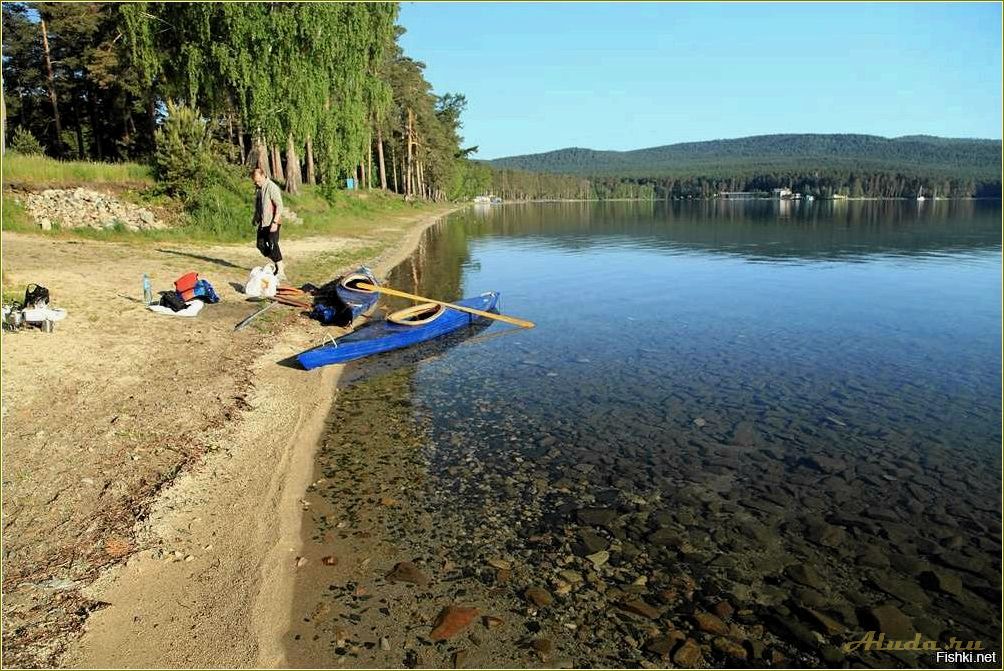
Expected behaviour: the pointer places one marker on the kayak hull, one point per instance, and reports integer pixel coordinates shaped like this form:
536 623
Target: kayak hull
386 336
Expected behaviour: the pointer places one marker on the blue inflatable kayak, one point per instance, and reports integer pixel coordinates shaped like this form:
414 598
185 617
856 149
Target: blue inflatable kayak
406 327
360 301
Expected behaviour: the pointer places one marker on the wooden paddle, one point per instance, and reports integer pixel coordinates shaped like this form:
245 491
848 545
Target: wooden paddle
481 313
292 302
247 320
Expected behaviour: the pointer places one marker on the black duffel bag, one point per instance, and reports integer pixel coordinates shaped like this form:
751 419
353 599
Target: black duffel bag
36 296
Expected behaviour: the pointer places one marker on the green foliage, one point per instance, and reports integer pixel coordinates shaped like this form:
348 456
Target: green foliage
23 142
187 159
221 210
15 217
773 149
817 164
326 75
470 179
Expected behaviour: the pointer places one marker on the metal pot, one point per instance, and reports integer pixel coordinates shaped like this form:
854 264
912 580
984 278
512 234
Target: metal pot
13 318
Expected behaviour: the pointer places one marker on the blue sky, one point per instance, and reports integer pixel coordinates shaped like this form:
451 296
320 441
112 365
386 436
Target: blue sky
624 75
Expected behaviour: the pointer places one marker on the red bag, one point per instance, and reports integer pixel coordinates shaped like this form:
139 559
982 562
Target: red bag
185 286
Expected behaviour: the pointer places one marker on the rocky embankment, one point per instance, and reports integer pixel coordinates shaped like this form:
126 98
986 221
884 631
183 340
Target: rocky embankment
85 208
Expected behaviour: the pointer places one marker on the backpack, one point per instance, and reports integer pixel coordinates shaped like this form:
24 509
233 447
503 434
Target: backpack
332 315
171 299
36 296
204 291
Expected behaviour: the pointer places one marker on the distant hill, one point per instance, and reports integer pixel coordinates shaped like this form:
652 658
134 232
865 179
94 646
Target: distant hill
914 154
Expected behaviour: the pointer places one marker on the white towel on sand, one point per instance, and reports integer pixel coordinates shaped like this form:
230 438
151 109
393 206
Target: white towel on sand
190 311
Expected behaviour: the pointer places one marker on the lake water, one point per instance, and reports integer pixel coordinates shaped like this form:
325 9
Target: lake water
784 414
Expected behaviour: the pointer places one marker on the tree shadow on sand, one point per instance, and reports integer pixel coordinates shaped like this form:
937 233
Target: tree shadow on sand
200 257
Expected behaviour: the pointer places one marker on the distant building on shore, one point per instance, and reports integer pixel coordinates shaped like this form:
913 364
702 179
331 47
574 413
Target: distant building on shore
783 192
741 194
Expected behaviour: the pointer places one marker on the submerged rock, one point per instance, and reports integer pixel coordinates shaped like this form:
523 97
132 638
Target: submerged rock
640 607
597 517
889 620
804 574
592 542
729 648
451 621
710 624
407 572
688 655
940 581
538 596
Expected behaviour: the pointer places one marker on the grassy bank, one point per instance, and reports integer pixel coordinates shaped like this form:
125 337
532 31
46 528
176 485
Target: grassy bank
42 172
220 212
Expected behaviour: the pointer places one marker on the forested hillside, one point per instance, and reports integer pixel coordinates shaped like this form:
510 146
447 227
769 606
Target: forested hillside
313 92
855 165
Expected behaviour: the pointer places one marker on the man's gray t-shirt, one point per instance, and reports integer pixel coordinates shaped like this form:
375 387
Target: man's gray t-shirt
267 203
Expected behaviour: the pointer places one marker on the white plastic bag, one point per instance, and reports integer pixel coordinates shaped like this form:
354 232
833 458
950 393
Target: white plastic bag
261 282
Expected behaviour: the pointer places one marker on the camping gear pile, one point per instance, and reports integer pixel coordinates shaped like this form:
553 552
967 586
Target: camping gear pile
336 303
33 311
190 294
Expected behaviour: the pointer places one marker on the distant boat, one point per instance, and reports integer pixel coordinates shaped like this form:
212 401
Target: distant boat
921 198
810 197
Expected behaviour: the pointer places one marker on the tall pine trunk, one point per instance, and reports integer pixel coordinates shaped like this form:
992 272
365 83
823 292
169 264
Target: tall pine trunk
151 119
277 164
380 163
393 164
80 134
258 156
311 178
408 183
240 140
52 88
369 164
292 167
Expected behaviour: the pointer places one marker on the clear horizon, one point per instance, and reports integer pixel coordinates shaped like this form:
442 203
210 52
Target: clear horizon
622 76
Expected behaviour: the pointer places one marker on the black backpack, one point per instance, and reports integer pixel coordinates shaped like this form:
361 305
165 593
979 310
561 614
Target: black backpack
171 299
36 296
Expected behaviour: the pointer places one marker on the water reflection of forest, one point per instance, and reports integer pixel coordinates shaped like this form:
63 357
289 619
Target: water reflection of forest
751 228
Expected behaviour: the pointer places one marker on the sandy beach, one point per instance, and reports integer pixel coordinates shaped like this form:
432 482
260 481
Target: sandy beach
154 467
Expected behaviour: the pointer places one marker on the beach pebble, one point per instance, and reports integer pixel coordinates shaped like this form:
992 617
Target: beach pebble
406 571
451 621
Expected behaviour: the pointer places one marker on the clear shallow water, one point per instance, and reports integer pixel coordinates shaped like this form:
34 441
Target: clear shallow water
724 391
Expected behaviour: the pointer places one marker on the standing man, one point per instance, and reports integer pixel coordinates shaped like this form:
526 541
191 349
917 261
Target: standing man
267 214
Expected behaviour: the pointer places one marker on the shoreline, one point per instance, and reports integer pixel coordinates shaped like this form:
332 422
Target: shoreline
269 632
218 590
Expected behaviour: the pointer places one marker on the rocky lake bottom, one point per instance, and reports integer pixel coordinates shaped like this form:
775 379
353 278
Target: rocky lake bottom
711 543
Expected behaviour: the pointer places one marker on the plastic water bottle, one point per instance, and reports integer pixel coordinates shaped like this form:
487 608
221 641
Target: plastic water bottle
147 290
